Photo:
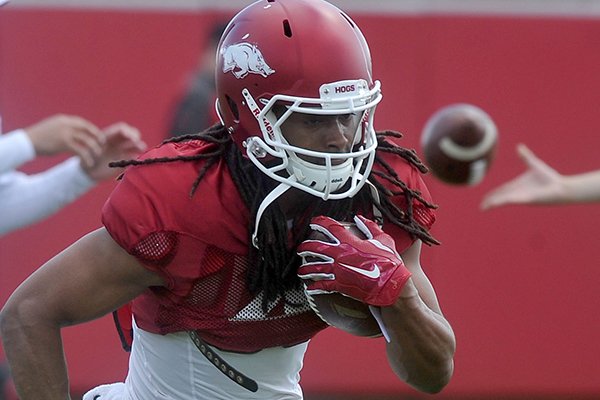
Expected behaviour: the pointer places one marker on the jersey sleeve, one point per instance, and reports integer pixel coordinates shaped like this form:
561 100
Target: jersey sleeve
154 216
135 217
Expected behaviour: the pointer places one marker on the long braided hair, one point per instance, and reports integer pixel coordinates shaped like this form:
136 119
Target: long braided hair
276 261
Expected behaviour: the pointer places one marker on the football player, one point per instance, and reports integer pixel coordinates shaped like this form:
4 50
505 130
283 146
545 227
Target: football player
203 240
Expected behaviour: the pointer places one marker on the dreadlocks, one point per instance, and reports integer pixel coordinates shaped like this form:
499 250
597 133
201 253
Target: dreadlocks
276 260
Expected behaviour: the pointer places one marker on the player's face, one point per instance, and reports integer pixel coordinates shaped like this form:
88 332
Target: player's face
324 133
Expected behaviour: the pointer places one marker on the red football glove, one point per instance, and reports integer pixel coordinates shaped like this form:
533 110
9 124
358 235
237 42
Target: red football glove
369 270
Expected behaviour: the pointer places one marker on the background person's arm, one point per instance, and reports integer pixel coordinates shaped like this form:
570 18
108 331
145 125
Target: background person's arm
542 184
15 150
26 199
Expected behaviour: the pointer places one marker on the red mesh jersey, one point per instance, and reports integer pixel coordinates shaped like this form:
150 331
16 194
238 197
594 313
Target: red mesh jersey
199 245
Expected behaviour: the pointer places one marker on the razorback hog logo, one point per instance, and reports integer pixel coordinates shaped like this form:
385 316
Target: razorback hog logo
243 59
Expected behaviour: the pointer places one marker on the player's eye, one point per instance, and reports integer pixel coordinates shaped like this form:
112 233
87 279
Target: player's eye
314 121
346 119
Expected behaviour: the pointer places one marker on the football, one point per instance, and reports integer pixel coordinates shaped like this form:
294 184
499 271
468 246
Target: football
459 144
343 312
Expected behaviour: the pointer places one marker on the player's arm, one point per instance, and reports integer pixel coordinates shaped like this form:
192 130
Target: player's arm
422 345
369 269
87 280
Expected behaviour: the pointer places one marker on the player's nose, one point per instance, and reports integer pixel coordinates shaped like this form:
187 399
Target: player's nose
337 136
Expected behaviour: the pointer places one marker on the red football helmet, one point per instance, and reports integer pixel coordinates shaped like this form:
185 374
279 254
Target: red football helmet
311 57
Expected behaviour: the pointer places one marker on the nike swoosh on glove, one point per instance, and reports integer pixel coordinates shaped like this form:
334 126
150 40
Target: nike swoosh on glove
369 270
113 391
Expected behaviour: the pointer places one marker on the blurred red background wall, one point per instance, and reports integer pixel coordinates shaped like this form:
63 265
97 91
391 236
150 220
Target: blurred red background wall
518 284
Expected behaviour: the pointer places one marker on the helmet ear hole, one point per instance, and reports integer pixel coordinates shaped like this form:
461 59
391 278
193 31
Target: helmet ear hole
233 108
287 29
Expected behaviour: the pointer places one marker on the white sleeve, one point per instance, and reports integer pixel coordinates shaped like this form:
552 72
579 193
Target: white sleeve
15 150
25 199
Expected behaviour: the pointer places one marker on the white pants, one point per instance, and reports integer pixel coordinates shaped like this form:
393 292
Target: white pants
113 391
171 367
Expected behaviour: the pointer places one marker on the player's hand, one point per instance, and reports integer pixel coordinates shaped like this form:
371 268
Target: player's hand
369 270
121 141
66 133
539 184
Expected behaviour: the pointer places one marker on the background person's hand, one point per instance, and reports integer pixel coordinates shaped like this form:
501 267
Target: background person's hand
540 184
121 141
66 133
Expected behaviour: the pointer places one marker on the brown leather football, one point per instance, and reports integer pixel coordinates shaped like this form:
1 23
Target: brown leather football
459 143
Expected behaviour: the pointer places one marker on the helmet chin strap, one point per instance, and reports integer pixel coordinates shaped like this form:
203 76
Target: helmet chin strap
270 198
376 202
283 187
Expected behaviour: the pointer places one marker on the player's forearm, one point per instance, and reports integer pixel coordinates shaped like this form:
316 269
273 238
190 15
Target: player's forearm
422 344
35 354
